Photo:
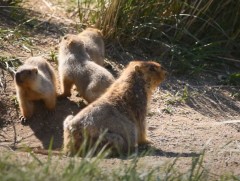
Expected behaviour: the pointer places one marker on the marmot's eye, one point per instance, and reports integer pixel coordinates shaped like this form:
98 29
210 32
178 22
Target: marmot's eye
65 37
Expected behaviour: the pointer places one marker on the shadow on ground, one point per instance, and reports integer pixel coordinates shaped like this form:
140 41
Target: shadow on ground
49 125
3 110
149 150
18 18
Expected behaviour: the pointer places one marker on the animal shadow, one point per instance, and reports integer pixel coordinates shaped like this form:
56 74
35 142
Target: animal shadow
48 126
149 150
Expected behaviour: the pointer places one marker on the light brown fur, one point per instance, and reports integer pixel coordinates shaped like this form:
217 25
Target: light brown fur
35 80
94 44
121 111
75 68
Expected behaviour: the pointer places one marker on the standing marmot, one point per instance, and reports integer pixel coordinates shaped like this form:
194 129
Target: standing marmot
93 42
35 80
76 68
120 111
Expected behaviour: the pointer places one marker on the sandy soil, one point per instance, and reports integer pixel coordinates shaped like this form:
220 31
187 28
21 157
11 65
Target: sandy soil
187 114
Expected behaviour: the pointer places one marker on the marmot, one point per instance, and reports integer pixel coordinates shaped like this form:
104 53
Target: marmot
120 111
75 67
35 80
94 44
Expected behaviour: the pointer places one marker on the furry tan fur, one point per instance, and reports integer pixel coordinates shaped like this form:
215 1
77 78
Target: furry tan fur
94 44
120 111
75 68
35 80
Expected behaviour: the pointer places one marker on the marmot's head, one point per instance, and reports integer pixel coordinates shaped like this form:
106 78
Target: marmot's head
25 75
152 72
95 31
73 44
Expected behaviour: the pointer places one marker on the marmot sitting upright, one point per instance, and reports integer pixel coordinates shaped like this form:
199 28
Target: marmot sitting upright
93 42
75 67
120 111
35 80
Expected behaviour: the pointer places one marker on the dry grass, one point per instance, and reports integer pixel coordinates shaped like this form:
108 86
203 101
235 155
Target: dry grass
193 34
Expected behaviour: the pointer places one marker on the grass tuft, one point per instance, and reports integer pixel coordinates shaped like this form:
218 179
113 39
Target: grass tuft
30 166
191 35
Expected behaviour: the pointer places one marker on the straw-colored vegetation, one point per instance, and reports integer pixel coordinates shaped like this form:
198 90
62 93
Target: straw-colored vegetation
194 33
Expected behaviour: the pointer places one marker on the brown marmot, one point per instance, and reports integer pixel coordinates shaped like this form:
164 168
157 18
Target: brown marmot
75 67
120 111
94 44
35 80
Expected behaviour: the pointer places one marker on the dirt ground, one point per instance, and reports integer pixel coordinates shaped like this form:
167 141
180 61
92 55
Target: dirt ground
187 114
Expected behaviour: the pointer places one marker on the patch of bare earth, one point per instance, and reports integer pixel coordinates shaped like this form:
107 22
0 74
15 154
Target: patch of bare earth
186 116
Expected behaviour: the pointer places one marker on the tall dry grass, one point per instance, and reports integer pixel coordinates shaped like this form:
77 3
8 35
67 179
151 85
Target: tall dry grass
196 33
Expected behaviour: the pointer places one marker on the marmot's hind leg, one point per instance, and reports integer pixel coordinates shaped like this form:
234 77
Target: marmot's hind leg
70 139
117 143
90 95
